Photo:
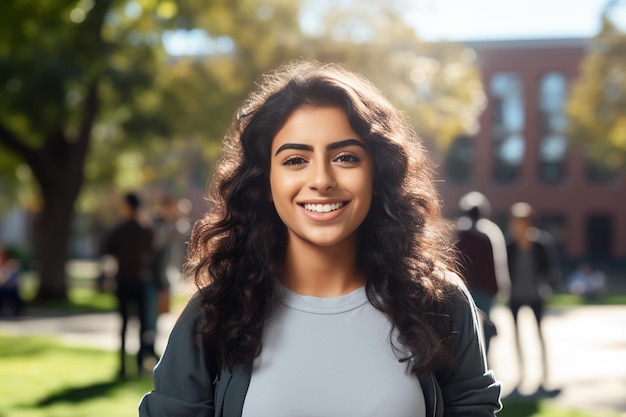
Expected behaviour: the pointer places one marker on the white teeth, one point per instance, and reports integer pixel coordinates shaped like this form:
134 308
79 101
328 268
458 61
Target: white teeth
323 208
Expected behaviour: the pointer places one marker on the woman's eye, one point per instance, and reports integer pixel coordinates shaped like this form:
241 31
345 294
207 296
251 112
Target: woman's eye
294 161
347 158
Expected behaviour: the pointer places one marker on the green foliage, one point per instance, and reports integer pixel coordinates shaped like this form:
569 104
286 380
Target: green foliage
90 96
437 84
597 104
151 103
169 134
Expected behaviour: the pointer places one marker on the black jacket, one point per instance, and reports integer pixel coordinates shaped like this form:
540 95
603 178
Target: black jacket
545 263
185 388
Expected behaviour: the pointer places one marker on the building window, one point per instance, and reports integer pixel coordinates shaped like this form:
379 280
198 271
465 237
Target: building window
599 174
460 160
552 142
599 237
507 103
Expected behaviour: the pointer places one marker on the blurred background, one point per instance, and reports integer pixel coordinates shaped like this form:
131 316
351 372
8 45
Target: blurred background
520 100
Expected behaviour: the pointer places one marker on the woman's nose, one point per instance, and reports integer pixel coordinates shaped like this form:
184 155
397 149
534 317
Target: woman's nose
322 177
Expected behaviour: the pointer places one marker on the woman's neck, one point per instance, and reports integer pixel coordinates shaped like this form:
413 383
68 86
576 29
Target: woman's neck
322 271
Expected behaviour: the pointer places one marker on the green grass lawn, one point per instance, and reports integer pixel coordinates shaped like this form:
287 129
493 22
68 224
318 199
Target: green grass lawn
570 300
41 377
85 299
543 408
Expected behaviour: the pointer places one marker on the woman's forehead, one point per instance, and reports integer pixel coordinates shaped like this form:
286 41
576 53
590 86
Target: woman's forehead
313 126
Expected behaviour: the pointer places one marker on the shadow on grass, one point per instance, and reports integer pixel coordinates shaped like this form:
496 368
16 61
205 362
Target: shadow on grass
83 393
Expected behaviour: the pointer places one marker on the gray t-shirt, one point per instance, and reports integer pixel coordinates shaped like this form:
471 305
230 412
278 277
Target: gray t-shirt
330 357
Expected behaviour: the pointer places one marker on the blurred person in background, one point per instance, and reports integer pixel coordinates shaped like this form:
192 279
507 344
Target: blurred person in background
534 271
166 238
130 244
10 270
483 257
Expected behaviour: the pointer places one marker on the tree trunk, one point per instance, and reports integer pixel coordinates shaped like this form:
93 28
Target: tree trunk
59 169
52 237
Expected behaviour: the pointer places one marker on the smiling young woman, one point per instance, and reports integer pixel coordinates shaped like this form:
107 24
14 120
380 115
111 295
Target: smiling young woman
321 180
324 272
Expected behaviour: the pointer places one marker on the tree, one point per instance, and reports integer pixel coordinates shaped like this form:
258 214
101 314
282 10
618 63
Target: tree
49 111
90 90
596 108
94 73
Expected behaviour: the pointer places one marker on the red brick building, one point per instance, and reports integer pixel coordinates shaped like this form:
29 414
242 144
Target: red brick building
521 154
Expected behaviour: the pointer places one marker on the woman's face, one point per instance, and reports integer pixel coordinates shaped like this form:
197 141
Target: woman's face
320 177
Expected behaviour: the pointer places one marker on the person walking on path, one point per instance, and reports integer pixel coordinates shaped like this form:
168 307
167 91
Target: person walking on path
130 244
534 271
166 239
324 269
483 257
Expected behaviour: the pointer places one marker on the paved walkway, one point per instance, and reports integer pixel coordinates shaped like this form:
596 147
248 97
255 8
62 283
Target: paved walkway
586 349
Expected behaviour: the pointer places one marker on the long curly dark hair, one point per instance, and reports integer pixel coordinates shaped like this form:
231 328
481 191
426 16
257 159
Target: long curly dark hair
237 251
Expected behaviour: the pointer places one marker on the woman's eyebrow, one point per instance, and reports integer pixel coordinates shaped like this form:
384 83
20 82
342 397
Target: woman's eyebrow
335 145
297 146
345 143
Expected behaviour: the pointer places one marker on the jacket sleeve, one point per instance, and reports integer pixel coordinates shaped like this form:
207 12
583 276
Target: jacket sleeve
468 388
183 384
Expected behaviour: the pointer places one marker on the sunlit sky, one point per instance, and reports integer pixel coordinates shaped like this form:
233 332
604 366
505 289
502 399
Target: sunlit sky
461 20
506 19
